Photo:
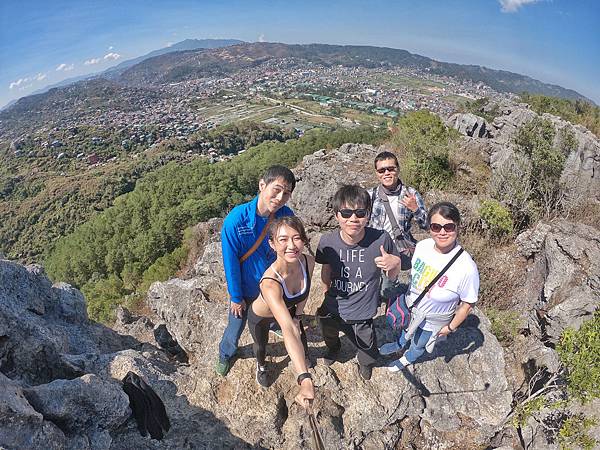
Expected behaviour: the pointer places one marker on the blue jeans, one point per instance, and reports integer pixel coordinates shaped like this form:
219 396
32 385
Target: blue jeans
417 344
231 336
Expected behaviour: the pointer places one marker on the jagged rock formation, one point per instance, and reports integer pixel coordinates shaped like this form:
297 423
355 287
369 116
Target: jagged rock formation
581 174
469 124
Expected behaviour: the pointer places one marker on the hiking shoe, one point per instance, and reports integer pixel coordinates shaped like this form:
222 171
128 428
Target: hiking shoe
365 372
389 349
330 357
261 375
222 367
398 364
277 332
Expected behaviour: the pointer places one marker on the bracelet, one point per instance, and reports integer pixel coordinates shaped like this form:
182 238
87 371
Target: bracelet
303 376
450 328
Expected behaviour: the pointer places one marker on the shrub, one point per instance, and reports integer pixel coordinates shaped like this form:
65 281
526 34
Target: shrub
574 433
530 184
425 143
579 352
505 324
496 217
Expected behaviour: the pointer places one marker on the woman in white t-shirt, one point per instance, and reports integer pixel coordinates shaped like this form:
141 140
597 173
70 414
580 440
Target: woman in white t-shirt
448 303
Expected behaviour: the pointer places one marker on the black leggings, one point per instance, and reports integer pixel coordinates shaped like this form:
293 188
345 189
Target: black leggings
259 329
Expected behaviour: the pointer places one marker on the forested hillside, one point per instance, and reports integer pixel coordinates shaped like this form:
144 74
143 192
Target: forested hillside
139 239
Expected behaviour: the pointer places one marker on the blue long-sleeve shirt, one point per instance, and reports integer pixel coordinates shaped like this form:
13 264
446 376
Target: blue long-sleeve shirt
241 229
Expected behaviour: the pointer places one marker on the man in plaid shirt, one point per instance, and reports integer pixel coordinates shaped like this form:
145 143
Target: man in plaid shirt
405 203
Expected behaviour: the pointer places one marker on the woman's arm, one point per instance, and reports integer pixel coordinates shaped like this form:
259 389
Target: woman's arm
461 314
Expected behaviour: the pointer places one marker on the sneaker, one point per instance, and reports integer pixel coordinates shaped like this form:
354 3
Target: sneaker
261 375
330 357
365 372
277 332
389 349
398 364
222 367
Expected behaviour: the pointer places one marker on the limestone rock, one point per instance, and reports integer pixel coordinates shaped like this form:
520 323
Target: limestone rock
21 426
469 125
83 406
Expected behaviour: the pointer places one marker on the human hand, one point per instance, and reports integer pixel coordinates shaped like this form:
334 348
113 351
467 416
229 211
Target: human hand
410 201
237 309
386 261
306 394
445 331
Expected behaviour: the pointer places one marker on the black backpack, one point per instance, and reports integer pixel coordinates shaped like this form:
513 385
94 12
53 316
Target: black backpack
148 409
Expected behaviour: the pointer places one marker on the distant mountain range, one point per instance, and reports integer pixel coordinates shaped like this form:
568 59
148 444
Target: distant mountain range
187 44
197 58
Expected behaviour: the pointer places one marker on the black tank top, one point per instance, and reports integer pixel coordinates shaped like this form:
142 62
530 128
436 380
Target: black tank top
289 299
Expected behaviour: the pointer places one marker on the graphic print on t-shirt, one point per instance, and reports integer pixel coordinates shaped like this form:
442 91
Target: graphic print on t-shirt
422 274
350 268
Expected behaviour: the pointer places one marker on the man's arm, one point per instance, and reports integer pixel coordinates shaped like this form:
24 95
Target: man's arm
326 276
230 246
420 214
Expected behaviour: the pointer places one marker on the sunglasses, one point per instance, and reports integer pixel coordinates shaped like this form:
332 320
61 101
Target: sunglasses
359 213
391 169
448 227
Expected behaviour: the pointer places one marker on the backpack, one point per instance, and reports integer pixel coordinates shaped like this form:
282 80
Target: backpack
148 409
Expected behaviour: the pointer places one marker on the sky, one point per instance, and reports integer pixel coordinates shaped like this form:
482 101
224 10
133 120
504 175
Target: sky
555 41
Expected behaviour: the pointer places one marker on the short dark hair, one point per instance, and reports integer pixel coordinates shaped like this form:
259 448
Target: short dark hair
278 171
351 195
447 210
386 155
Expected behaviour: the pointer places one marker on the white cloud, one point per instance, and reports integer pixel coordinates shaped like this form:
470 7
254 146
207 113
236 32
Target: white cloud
40 76
509 6
111 47
113 56
169 44
261 38
65 67
19 83
92 61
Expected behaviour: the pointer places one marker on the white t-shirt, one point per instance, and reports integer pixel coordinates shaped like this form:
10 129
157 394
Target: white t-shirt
459 283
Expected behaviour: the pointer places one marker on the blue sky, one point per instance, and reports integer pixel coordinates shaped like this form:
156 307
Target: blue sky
555 41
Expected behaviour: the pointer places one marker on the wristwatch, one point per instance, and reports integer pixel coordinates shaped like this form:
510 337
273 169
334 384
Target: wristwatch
303 376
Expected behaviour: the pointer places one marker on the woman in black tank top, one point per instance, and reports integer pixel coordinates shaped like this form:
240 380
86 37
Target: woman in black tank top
284 289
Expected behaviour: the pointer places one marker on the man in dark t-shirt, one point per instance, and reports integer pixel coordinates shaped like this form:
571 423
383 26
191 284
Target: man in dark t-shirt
353 258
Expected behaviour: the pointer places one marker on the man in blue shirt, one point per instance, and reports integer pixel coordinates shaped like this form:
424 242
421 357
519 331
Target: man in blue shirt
246 252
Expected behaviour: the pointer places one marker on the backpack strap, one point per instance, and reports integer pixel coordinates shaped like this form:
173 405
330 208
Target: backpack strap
263 233
390 214
437 277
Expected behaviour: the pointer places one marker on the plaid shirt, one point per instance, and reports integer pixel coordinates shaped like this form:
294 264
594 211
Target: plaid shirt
403 214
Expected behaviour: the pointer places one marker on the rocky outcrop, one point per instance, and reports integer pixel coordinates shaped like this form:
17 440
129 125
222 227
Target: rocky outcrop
469 125
322 173
564 279
60 375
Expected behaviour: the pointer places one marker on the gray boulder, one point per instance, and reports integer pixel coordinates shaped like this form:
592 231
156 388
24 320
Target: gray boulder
86 406
21 426
469 124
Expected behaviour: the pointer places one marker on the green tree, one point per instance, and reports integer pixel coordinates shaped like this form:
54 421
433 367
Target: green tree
425 143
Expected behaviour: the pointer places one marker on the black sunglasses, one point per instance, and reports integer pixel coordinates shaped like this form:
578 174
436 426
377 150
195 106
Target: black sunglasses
436 227
387 169
359 213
